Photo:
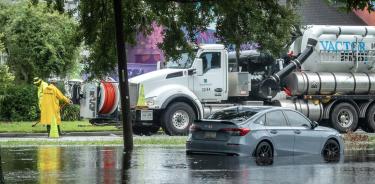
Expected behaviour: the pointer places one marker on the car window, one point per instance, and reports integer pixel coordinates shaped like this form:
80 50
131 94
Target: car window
210 60
275 118
296 119
261 120
236 114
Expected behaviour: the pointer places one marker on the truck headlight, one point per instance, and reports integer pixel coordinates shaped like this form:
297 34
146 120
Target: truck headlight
151 101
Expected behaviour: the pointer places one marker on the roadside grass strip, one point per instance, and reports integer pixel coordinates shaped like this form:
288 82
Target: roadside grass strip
66 126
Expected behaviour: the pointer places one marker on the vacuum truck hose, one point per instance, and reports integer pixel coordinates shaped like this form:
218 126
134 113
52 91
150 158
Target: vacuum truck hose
109 98
269 87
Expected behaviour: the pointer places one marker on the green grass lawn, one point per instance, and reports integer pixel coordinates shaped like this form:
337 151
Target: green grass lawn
67 126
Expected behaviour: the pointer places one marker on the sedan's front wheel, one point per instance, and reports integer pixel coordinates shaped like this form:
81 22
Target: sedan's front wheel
331 151
264 153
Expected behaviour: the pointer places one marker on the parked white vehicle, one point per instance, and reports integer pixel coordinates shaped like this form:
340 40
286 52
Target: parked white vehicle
331 78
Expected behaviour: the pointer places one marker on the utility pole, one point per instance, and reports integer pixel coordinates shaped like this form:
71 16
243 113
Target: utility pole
123 78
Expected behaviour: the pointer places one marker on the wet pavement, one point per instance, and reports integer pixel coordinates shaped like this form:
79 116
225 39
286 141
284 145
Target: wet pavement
154 164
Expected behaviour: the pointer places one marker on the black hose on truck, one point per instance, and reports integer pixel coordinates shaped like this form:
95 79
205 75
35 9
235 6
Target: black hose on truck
270 86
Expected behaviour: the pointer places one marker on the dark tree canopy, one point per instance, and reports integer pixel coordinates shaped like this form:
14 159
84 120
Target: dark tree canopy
350 5
237 21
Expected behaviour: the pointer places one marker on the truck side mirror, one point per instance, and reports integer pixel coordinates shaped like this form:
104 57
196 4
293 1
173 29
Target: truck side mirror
199 66
159 65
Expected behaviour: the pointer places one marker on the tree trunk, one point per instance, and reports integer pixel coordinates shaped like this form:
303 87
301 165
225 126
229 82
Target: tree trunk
238 57
25 75
123 78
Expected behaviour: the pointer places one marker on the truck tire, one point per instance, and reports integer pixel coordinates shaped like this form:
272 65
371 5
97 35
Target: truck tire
145 130
344 118
370 119
177 118
365 128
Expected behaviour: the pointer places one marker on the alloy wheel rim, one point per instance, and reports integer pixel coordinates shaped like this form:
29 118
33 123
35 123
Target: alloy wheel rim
345 118
331 152
264 151
180 119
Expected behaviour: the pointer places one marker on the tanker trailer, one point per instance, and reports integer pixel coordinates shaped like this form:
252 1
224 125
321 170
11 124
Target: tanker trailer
336 83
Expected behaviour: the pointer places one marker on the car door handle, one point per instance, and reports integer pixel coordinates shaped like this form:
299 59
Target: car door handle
297 131
273 131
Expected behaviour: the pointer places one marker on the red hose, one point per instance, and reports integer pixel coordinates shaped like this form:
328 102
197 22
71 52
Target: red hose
109 99
105 104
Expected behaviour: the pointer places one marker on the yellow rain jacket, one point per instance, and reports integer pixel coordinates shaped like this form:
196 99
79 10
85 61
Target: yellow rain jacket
50 106
41 88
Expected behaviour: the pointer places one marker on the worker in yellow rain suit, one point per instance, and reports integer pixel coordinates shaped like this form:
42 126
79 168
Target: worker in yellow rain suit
50 106
41 86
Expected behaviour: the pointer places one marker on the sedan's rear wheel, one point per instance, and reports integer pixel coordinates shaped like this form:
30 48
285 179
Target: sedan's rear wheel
331 151
264 153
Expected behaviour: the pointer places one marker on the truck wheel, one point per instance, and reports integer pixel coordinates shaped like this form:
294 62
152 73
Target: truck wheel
143 130
344 117
370 119
365 128
177 118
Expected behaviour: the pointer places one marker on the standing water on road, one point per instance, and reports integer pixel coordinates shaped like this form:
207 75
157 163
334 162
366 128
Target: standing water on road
48 164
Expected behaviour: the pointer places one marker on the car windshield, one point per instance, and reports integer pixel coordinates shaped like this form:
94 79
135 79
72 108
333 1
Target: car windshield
184 61
234 114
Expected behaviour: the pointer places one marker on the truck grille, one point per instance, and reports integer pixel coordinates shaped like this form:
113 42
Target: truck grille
133 94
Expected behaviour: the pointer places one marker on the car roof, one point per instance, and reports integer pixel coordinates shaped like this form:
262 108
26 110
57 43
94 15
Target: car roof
254 108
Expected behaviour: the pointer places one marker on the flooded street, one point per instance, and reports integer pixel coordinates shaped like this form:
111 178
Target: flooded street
87 164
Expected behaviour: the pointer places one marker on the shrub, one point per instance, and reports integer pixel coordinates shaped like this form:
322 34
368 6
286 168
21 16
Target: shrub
70 113
20 103
6 78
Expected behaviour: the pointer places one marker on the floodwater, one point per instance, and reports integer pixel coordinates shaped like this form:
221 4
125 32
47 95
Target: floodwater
152 164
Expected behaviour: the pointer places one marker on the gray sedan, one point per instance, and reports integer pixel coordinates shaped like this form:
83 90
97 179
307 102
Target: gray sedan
263 132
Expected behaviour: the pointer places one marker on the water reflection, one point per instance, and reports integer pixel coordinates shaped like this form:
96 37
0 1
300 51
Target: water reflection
49 164
126 165
1 170
171 165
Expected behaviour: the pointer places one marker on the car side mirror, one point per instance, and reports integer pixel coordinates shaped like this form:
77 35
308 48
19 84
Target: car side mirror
199 66
314 124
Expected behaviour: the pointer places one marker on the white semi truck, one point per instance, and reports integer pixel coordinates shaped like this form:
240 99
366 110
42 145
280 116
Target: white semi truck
330 78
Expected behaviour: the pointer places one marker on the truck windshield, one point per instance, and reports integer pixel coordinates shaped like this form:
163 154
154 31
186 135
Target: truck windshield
234 114
184 61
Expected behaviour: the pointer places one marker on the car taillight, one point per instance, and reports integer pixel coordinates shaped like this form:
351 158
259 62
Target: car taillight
193 128
236 131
